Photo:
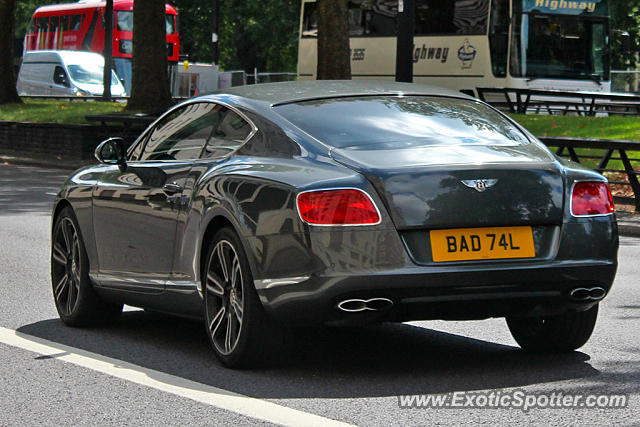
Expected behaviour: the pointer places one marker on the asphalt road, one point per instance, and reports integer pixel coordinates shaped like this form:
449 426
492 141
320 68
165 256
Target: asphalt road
151 370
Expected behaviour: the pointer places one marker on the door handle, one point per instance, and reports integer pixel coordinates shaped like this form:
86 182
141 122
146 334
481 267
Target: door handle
171 188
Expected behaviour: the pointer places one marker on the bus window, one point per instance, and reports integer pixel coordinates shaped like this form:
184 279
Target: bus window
380 18
364 19
170 24
43 24
499 37
309 20
64 23
460 17
125 20
355 21
598 47
559 46
373 19
75 22
88 37
54 23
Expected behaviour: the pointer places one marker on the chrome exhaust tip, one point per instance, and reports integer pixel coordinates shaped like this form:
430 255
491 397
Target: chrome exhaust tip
588 294
356 305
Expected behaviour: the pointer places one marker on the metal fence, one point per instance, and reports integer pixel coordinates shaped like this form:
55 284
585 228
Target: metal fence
270 77
625 81
584 103
604 154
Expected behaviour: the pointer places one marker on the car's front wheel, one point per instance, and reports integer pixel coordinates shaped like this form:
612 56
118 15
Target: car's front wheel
565 332
239 330
76 300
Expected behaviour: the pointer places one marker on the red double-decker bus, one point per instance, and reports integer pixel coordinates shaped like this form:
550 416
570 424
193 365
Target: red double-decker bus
80 26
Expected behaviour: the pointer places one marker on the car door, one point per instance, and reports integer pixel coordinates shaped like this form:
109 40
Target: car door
136 207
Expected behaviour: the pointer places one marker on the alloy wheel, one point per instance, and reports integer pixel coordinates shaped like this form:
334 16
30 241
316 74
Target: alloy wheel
224 297
66 266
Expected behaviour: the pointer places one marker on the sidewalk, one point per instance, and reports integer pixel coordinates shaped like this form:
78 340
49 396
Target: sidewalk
628 223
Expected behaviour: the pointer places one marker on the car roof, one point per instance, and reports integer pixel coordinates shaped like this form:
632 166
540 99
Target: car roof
66 56
304 90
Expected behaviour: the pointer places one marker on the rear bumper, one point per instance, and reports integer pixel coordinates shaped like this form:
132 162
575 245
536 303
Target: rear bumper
329 266
453 293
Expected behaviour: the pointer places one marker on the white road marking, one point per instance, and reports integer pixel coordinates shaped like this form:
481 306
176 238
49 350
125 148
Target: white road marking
223 399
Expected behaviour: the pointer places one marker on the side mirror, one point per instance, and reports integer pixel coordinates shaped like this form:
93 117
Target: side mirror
112 151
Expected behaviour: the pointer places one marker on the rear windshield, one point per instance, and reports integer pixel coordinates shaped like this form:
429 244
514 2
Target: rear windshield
371 122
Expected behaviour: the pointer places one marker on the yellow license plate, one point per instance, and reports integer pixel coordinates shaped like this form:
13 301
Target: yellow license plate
466 244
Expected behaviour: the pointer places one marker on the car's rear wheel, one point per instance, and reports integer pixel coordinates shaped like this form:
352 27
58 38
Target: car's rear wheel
565 332
239 330
75 299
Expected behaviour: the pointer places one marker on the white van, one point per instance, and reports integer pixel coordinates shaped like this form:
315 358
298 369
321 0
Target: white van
65 73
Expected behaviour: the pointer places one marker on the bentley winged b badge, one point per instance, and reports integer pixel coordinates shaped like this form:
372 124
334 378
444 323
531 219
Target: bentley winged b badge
479 184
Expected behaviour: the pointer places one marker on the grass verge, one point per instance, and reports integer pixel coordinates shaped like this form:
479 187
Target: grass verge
53 111
614 127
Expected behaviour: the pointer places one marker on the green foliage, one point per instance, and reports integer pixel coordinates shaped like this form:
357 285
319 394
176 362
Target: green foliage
613 127
625 16
24 11
252 33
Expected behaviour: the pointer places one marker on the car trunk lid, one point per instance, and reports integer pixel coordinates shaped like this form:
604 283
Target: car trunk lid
433 186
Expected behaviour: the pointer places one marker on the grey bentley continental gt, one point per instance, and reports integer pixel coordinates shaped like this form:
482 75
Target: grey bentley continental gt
264 208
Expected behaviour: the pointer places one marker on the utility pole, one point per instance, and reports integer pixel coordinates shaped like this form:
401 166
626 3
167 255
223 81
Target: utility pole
214 32
404 41
108 51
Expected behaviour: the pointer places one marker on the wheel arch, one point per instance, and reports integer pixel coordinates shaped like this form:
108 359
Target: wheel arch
216 222
60 205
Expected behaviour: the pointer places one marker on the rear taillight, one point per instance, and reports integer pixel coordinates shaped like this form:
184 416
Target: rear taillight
341 206
591 198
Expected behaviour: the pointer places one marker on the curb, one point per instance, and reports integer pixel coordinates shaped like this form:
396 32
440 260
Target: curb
27 161
629 229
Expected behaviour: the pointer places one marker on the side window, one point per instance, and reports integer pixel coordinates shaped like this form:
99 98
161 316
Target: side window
64 23
43 24
124 20
60 76
75 21
365 18
182 134
499 36
54 23
309 20
231 132
136 152
462 17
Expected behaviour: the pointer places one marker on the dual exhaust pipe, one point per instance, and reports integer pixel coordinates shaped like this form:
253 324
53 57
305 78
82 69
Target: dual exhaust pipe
357 305
588 294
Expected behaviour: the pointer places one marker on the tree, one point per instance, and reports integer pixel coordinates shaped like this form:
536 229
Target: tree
334 61
8 92
625 16
150 90
260 34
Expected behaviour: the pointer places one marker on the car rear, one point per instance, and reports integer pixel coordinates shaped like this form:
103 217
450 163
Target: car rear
477 217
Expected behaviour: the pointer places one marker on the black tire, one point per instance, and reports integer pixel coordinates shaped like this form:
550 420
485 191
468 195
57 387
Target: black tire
240 332
562 333
73 294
